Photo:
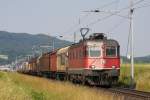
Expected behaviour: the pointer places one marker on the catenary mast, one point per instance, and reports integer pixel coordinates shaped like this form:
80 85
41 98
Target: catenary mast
132 42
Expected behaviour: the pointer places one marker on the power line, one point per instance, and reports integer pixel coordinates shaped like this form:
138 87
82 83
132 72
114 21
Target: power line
106 17
116 26
112 14
84 17
98 20
129 35
138 2
109 4
104 6
117 5
115 13
143 6
109 12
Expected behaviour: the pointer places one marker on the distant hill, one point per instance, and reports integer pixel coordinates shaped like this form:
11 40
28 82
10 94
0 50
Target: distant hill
21 44
145 59
16 45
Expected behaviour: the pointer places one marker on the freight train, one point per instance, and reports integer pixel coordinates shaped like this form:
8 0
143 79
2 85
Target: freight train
94 61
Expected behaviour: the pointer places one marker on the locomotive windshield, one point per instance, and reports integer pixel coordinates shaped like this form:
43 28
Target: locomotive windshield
111 51
93 51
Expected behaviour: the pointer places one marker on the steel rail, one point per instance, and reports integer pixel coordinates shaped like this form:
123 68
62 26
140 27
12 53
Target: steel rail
130 94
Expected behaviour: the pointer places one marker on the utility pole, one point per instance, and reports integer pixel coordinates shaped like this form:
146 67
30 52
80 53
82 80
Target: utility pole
53 44
49 40
16 63
131 38
132 43
33 50
74 37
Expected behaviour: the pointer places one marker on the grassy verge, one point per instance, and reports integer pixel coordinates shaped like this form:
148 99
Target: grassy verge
142 76
14 86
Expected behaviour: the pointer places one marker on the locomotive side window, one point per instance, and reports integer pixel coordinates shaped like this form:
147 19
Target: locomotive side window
94 51
111 51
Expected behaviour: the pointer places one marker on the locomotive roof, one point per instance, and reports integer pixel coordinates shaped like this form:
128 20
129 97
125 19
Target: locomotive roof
107 41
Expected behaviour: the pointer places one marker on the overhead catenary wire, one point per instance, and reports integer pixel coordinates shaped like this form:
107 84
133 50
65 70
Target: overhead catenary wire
103 6
106 17
129 35
131 40
117 5
109 4
101 19
146 4
115 13
142 6
116 26
84 17
138 2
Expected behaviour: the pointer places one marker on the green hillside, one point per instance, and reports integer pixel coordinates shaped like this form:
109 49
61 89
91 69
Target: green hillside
15 45
21 44
138 60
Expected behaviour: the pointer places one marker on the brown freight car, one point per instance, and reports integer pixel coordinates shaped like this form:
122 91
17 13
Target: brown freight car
43 64
53 64
32 66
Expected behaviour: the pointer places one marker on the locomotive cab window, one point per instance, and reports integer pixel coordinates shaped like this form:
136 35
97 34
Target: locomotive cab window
94 51
111 51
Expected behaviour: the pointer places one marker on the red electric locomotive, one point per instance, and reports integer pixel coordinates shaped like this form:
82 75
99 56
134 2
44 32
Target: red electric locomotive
95 61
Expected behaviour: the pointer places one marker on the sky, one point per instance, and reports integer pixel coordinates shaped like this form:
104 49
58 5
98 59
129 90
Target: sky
66 17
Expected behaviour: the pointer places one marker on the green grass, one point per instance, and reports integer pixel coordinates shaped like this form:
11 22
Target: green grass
14 86
142 76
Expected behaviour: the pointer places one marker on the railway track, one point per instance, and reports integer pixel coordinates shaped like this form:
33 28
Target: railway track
129 94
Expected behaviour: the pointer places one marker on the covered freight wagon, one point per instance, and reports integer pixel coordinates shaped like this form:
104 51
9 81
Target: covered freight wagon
62 62
44 64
